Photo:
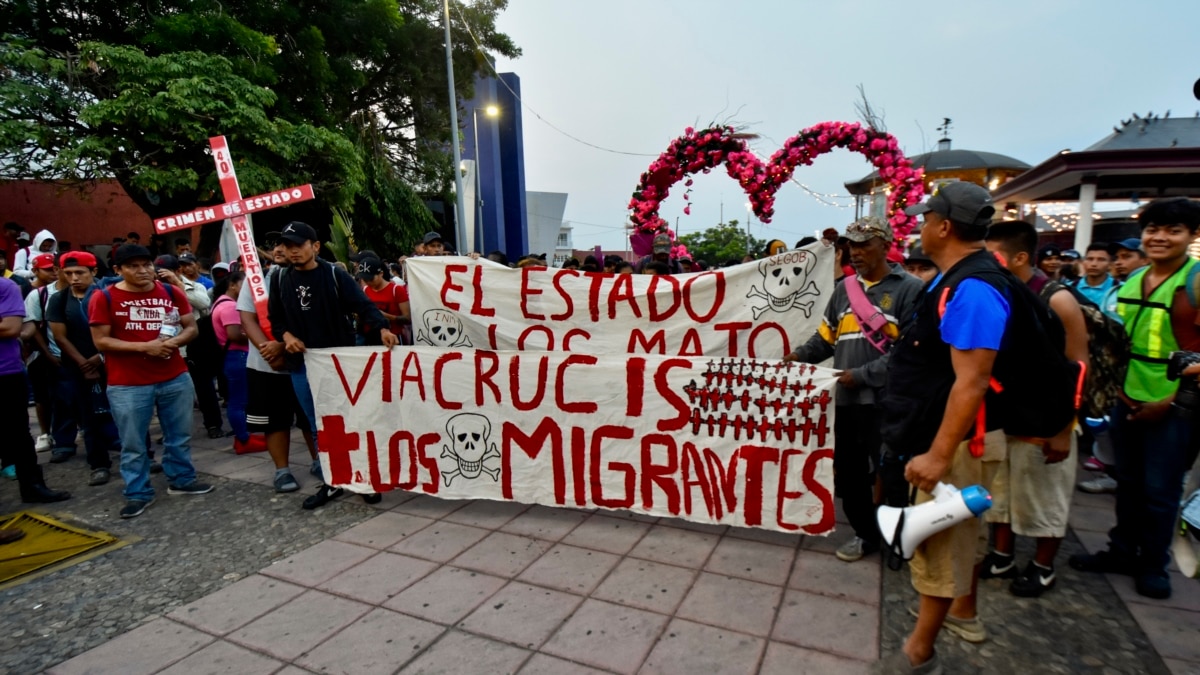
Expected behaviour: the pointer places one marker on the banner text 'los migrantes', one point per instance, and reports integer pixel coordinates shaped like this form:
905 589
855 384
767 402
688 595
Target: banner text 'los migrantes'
710 439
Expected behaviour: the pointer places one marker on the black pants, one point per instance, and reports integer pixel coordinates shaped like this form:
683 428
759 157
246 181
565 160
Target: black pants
206 395
855 459
17 448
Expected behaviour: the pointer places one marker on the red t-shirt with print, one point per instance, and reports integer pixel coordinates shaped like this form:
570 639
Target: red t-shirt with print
136 317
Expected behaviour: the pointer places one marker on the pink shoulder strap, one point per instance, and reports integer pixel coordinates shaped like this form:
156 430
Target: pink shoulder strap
871 320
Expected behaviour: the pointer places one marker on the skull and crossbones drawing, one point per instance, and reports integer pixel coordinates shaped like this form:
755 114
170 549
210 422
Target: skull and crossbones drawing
442 329
784 287
469 447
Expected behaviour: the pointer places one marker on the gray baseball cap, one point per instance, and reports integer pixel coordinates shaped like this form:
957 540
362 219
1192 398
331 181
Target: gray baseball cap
960 201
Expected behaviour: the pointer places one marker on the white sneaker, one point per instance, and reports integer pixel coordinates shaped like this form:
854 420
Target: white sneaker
44 443
853 550
1099 486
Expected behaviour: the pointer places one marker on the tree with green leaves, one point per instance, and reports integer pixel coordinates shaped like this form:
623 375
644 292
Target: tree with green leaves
721 243
347 94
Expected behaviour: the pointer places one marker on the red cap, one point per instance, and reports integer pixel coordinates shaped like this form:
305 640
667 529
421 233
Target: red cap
77 259
44 261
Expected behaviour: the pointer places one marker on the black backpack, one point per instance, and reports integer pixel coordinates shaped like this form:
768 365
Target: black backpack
205 350
1035 390
1108 353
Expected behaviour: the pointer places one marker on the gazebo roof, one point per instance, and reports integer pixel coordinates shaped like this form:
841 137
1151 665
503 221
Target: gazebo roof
945 160
1143 158
1140 133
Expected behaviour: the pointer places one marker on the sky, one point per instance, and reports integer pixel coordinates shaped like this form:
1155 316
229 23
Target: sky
1022 78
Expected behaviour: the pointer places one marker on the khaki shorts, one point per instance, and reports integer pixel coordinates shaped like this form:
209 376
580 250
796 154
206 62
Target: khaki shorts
1031 495
943 566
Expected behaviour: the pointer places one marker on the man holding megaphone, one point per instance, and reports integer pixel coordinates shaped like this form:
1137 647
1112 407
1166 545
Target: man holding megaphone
938 375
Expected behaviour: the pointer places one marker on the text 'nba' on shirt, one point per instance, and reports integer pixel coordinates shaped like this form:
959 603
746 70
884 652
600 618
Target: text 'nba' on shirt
143 313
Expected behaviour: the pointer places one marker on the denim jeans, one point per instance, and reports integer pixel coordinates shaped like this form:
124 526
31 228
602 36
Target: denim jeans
1151 460
132 407
73 392
64 418
239 393
304 396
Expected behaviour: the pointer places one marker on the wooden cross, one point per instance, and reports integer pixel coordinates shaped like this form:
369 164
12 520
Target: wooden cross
235 208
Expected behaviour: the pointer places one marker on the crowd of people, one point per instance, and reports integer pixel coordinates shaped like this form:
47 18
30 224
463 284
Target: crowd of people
922 345
930 354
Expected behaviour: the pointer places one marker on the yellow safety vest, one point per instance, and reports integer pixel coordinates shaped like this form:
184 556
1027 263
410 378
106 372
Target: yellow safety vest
1148 325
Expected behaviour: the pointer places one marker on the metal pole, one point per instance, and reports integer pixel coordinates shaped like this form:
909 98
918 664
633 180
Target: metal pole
748 229
460 233
478 181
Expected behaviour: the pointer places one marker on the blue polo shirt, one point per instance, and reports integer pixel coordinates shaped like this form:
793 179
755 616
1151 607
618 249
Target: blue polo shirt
1095 293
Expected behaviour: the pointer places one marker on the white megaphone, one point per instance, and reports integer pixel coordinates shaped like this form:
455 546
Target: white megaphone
905 529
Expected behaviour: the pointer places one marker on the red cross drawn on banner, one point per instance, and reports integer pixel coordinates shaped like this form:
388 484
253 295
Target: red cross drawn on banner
235 208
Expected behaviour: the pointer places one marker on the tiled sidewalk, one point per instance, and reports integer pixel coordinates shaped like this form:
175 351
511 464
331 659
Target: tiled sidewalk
1173 626
433 586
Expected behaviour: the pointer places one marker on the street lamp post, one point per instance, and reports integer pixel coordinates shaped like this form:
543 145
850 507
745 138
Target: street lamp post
460 231
749 211
493 112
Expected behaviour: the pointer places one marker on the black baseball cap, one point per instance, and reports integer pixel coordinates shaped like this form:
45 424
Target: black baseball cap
1048 251
297 232
186 258
917 255
431 237
1071 254
167 262
368 268
360 255
962 202
131 252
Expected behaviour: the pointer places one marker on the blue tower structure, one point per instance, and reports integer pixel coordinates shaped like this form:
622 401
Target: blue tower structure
498 140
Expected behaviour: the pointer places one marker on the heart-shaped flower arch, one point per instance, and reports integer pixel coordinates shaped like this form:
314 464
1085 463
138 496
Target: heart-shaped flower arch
704 150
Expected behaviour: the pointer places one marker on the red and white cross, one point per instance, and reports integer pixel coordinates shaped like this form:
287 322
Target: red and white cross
235 209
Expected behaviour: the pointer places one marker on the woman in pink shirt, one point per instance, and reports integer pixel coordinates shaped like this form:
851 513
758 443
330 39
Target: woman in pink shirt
227 326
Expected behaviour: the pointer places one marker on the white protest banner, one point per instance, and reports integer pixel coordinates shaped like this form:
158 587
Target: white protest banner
714 440
760 309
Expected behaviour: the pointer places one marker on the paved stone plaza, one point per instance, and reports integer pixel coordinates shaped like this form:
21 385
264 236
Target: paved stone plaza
243 581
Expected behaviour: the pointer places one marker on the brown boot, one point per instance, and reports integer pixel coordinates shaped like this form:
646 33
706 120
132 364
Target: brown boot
9 536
